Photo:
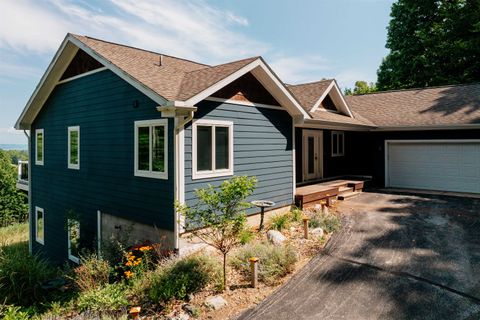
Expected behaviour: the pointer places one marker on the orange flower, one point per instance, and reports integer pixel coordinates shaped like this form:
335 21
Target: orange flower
145 248
128 264
128 274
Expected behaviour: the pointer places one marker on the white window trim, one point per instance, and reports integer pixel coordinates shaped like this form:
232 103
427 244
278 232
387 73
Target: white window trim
39 162
149 173
73 165
340 135
37 210
70 255
212 173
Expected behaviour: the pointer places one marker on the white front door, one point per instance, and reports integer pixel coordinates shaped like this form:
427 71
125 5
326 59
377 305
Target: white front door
312 154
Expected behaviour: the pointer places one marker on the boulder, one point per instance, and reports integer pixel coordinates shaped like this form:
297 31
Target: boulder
275 237
216 302
317 232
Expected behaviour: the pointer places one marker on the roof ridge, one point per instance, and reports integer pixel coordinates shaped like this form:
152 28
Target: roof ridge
417 89
308 83
141 49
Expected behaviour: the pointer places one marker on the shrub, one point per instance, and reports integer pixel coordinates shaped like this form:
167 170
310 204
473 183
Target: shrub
92 273
279 221
329 222
275 262
13 313
296 214
22 274
109 298
175 278
246 236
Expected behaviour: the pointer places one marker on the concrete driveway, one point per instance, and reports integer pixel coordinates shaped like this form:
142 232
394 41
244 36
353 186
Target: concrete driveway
398 257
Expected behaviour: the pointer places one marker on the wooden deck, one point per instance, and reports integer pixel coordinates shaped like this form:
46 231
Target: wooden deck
324 192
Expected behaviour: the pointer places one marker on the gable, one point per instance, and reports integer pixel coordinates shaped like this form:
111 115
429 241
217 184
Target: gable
81 63
328 104
248 89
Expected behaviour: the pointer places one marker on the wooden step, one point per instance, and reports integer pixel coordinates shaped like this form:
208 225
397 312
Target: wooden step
347 195
343 190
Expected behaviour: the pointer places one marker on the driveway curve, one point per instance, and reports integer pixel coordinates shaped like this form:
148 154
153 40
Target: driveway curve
398 256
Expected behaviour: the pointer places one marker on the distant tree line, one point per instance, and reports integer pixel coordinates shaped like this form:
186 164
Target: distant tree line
432 43
13 202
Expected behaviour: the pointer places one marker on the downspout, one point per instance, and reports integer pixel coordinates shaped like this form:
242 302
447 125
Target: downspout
30 222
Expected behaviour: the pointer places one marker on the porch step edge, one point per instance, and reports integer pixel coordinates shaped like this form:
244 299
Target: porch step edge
347 195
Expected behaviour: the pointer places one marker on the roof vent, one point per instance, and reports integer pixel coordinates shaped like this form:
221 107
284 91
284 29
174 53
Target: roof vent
160 60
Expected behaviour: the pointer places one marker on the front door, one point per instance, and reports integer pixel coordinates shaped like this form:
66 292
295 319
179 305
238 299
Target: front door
312 154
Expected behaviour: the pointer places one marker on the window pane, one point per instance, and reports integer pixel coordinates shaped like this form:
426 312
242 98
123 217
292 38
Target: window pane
40 146
158 145
334 144
74 237
204 148
143 148
311 155
74 147
340 144
221 148
40 225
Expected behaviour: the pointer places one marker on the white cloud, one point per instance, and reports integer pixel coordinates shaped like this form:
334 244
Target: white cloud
347 78
300 69
12 70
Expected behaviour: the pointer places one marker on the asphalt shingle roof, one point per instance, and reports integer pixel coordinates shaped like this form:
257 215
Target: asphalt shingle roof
447 105
309 93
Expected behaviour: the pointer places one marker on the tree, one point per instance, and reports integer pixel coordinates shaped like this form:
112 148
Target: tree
219 218
13 205
432 42
361 87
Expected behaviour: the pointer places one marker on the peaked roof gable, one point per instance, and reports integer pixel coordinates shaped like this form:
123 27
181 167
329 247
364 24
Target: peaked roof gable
163 78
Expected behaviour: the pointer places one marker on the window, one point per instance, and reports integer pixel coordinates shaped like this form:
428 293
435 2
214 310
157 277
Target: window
73 239
151 146
39 225
74 147
212 148
39 140
338 143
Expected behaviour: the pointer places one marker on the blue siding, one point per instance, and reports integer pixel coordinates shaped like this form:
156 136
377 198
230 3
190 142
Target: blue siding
262 148
102 105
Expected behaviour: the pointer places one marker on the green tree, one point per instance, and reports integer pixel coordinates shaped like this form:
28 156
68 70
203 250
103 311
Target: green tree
431 42
361 87
218 218
13 205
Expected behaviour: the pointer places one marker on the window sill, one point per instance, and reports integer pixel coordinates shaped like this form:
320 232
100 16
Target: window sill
155 175
74 166
74 259
40 241
210 174
39 163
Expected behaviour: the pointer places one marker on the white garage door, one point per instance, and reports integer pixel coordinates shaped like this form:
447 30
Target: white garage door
445 166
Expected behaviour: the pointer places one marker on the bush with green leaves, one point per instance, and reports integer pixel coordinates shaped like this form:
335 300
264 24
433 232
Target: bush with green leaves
329 222
218 218
296 214
274 262
175 278
22 274
109 298
12 312
92 273
280 221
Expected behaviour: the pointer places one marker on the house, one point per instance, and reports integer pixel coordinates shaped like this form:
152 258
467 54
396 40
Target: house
119 134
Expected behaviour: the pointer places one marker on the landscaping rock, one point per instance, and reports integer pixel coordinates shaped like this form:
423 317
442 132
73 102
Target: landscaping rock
191 309
275 237
317 232
179 316
216 302
325 210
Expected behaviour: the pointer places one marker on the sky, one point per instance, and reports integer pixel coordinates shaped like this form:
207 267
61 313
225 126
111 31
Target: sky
302 40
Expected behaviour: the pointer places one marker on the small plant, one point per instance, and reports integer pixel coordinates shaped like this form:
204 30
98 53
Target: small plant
175 278
279 221
109 298
296 214
246 236
275 262
137 259
22 274
329 222
92 273
13 313
218 218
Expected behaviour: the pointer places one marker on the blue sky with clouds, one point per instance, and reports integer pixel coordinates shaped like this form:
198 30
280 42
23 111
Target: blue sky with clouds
302 40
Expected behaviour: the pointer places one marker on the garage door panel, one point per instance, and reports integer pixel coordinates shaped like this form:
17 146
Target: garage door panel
452 166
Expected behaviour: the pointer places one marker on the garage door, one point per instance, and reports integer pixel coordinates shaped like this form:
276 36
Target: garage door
445 166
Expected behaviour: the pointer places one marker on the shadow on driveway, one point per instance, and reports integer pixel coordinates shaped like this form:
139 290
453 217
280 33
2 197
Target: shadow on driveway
398 256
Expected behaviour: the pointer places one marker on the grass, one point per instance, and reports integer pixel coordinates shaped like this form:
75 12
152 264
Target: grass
280 221
329 222
13 234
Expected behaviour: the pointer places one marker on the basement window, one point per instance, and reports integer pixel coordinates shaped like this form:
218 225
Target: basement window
212 148
73 240
338 143
151 146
